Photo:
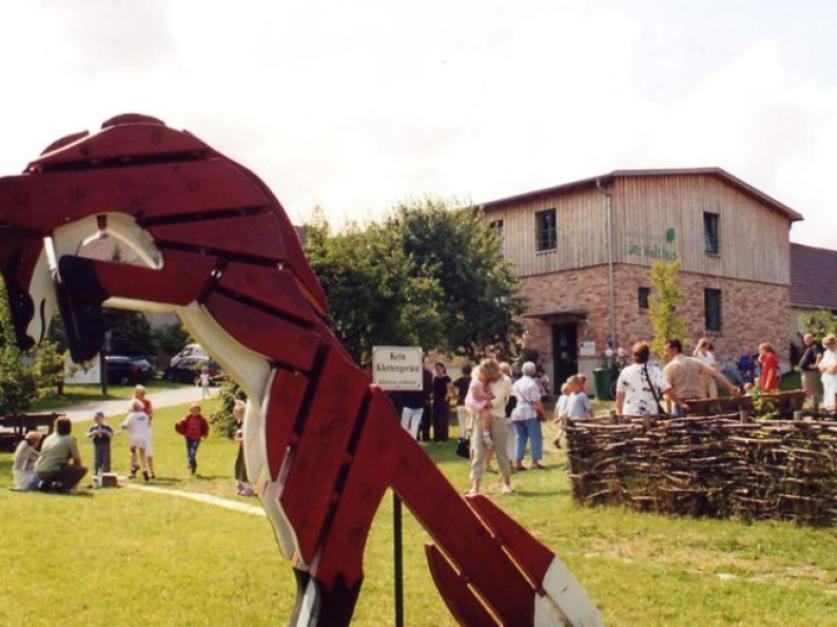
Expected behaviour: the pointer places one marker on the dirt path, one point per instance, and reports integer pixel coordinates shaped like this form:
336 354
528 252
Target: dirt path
160 399
207 499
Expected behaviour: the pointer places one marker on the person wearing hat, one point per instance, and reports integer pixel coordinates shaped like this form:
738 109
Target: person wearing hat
26 454
828 368
101 433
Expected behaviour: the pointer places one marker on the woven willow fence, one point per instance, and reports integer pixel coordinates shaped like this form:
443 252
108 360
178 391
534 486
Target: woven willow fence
709 466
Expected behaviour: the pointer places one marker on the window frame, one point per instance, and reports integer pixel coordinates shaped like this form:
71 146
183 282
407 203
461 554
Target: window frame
708 294
543 245
646 293
712 222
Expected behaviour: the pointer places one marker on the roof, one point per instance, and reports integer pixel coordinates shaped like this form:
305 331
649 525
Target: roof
813 277
606 179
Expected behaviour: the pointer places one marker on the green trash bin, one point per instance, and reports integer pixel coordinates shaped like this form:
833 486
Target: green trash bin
605 378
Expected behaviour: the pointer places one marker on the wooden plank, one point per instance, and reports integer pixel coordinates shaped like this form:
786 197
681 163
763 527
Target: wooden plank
457 531
42 202
267 335
252 235
319 453
284 405
273 287
182 279
121 142
365 486
532 556
453 587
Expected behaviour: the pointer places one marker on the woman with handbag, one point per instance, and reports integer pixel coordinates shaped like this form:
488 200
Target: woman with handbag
527 417
640 387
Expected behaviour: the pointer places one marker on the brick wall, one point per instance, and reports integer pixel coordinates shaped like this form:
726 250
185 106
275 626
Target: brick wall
751 312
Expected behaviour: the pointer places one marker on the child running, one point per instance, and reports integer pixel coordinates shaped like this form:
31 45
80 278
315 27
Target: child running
137 424
193 427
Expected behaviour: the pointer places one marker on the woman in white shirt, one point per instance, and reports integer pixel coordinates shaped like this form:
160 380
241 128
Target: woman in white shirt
640 387
706 353
828 368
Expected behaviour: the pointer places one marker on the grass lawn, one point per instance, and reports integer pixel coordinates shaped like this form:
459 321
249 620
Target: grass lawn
147 559
75 394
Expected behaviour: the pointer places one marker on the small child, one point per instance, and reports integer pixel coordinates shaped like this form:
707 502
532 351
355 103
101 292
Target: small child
203 381
26 454
560 415
193 427
138 425
578 405
478 401
101 433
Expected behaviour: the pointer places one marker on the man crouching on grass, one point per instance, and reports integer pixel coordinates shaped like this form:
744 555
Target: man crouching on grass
54 467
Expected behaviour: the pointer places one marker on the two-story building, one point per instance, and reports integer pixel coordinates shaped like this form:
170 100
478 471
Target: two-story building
583 250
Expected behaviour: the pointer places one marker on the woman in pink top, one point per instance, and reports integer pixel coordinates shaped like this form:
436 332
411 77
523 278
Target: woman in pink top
478 400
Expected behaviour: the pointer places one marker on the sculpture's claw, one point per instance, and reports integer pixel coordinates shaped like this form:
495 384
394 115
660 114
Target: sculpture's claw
318 606
559 598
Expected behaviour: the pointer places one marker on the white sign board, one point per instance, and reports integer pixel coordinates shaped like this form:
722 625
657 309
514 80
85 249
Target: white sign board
89 372
587 349
397 368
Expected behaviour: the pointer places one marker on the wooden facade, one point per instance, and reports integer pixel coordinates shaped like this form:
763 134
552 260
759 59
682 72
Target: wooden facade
655 216
736 293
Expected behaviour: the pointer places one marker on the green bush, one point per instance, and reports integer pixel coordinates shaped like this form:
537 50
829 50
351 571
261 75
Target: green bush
222 419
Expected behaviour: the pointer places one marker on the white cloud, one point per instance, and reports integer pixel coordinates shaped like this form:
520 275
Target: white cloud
353 105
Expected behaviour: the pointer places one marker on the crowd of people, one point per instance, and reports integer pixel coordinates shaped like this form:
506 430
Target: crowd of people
53 463
499 417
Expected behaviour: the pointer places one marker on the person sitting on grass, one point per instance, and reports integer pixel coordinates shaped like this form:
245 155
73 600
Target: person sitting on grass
193 427
101 433
26 454
137 424
59 465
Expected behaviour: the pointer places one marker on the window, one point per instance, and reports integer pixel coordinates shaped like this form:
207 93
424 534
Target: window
644 294
711 245
712 309
497 227
546 235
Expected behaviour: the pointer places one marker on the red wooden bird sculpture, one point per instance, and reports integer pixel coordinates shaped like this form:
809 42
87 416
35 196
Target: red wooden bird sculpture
322 443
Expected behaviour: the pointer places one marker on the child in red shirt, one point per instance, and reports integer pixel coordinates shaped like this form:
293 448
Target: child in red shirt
193 427
769 377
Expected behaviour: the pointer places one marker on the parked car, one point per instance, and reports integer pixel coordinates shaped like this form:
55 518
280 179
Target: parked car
190 350
124 370
187 369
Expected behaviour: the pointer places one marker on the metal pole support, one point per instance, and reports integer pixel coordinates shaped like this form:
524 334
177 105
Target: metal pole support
399 560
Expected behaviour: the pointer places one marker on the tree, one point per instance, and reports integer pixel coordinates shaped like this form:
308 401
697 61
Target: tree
457 248
662 305
377 294
819 323
24 375
429 275
130 333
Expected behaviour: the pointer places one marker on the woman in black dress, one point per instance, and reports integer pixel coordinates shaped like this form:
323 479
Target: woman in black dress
442 390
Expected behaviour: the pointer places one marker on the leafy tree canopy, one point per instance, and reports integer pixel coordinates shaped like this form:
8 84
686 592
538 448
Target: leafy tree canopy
662 304
430 275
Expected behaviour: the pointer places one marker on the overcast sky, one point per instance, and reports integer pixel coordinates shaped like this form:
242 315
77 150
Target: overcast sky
355 105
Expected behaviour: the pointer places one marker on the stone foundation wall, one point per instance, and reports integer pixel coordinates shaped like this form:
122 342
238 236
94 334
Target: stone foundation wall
751 313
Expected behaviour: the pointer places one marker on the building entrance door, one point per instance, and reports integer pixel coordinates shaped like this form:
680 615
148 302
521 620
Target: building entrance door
564 353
